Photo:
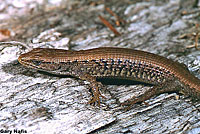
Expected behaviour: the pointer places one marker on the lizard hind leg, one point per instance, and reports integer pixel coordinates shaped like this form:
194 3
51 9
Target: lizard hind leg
168 86
95 87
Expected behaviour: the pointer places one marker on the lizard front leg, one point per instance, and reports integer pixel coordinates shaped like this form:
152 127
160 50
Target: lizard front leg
95 86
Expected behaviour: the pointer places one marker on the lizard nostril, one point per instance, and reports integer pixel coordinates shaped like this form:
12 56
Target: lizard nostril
21 58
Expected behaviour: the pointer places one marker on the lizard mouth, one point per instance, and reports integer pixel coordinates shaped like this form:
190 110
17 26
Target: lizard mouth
21 60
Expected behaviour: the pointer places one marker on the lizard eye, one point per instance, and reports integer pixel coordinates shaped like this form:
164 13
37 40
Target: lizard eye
36 62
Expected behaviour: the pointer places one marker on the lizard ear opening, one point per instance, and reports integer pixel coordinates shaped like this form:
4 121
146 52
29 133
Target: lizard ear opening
36 62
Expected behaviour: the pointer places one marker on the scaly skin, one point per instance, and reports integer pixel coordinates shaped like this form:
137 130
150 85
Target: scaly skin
121 63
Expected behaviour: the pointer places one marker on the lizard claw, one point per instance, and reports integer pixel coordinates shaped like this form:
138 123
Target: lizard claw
96 94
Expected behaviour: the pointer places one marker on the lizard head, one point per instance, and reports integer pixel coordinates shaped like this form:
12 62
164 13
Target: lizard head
41 59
